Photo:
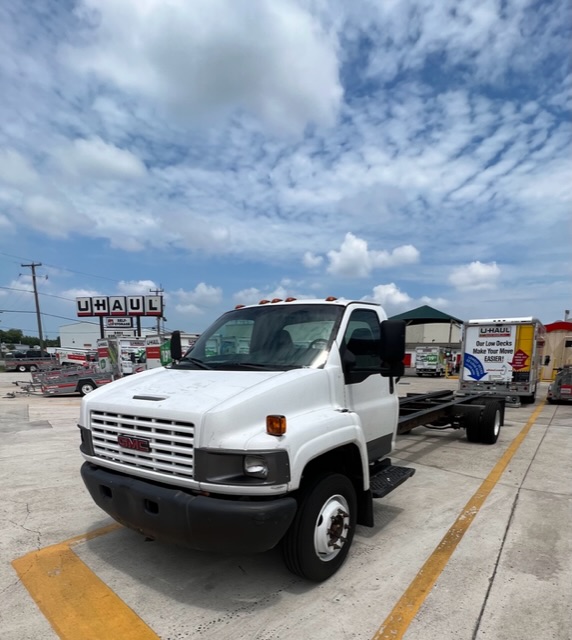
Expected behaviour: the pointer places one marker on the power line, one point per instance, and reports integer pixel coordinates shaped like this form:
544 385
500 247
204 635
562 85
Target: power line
53 266
41 293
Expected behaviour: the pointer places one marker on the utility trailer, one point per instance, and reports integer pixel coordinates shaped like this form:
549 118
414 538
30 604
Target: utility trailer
480 414
66 381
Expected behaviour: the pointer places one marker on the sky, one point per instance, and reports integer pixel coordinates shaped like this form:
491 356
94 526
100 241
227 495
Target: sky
407 152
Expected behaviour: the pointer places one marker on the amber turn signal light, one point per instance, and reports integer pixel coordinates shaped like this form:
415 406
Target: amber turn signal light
276 425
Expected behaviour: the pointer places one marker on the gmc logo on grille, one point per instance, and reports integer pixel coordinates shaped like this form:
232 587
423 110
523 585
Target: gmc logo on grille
137 444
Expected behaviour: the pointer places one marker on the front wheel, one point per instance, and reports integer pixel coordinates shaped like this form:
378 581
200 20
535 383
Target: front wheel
319 539
22 368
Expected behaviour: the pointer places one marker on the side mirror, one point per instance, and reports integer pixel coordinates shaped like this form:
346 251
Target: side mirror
176 349
392 346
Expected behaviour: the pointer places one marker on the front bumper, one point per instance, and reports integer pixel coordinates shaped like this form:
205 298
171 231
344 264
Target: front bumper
198 522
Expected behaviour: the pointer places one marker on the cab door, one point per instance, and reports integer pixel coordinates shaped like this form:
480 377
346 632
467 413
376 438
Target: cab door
367 392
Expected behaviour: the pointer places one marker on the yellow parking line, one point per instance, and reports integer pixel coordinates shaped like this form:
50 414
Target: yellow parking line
73 599
397 622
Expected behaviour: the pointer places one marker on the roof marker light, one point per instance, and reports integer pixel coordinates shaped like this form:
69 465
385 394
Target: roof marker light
276 299
240 306
331 299
290 299
264 302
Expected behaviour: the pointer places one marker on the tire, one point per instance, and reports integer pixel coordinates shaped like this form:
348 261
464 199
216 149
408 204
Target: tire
491 422
22 368
528 399
473 427
33 367
309 545
85 386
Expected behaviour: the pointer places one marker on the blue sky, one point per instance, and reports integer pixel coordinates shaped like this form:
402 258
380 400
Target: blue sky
407 152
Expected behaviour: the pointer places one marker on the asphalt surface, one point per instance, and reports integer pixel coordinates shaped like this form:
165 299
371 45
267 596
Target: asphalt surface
468 548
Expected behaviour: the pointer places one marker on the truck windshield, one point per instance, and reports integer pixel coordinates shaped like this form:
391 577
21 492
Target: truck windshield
267 337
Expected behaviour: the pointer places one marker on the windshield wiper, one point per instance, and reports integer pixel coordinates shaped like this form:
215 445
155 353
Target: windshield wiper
243 365
198 363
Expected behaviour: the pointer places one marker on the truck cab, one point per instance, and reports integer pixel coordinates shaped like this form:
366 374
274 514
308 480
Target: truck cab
274 428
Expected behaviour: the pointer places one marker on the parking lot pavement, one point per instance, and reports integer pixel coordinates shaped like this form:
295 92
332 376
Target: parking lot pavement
506 576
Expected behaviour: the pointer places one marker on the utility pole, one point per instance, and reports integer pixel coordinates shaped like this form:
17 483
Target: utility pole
157 292
38 315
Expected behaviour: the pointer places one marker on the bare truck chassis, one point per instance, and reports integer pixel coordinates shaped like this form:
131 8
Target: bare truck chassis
480 414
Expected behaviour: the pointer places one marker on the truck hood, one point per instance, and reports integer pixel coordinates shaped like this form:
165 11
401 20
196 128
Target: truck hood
221 404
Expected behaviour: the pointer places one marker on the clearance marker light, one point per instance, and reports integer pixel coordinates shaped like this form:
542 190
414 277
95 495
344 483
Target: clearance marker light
240 306
289 299
264 302
275 425
331 299
276 299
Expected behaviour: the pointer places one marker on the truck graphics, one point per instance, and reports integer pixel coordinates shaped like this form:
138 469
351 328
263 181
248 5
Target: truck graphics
503 356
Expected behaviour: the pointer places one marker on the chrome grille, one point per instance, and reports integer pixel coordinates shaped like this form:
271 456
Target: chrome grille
171 443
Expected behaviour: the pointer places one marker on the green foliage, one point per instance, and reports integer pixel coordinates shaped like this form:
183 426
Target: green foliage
15 336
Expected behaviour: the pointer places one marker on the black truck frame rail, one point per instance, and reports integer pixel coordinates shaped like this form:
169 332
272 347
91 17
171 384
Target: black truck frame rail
480 414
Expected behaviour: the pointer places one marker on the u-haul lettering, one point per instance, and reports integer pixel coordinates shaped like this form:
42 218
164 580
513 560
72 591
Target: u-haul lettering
494 332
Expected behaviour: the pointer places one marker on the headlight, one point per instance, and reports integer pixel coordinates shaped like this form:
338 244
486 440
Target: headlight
238 467
255 466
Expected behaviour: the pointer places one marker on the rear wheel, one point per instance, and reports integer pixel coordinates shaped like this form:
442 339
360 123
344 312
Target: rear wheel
473 426
22 368
491 421
33 367
319 539
85 387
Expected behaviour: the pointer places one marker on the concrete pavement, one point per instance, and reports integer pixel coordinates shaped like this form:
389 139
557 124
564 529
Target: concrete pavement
508 576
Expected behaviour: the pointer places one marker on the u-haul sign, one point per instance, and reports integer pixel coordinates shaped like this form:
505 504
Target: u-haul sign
119 306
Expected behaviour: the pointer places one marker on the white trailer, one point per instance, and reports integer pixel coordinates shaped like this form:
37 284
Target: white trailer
75 357
503 356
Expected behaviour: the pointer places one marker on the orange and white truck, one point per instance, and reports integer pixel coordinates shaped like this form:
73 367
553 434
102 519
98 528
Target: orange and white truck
503 356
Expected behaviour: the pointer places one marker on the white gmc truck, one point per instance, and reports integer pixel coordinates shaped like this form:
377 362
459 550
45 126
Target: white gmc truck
275 428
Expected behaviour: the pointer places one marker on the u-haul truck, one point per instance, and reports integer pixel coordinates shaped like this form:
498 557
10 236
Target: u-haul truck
503 356
158 348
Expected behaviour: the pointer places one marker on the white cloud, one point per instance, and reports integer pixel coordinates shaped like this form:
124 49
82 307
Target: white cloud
355 260
136 287
212 57
81 293
197 301
475 276
15 169
52 215
95 159
389 295
311 261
